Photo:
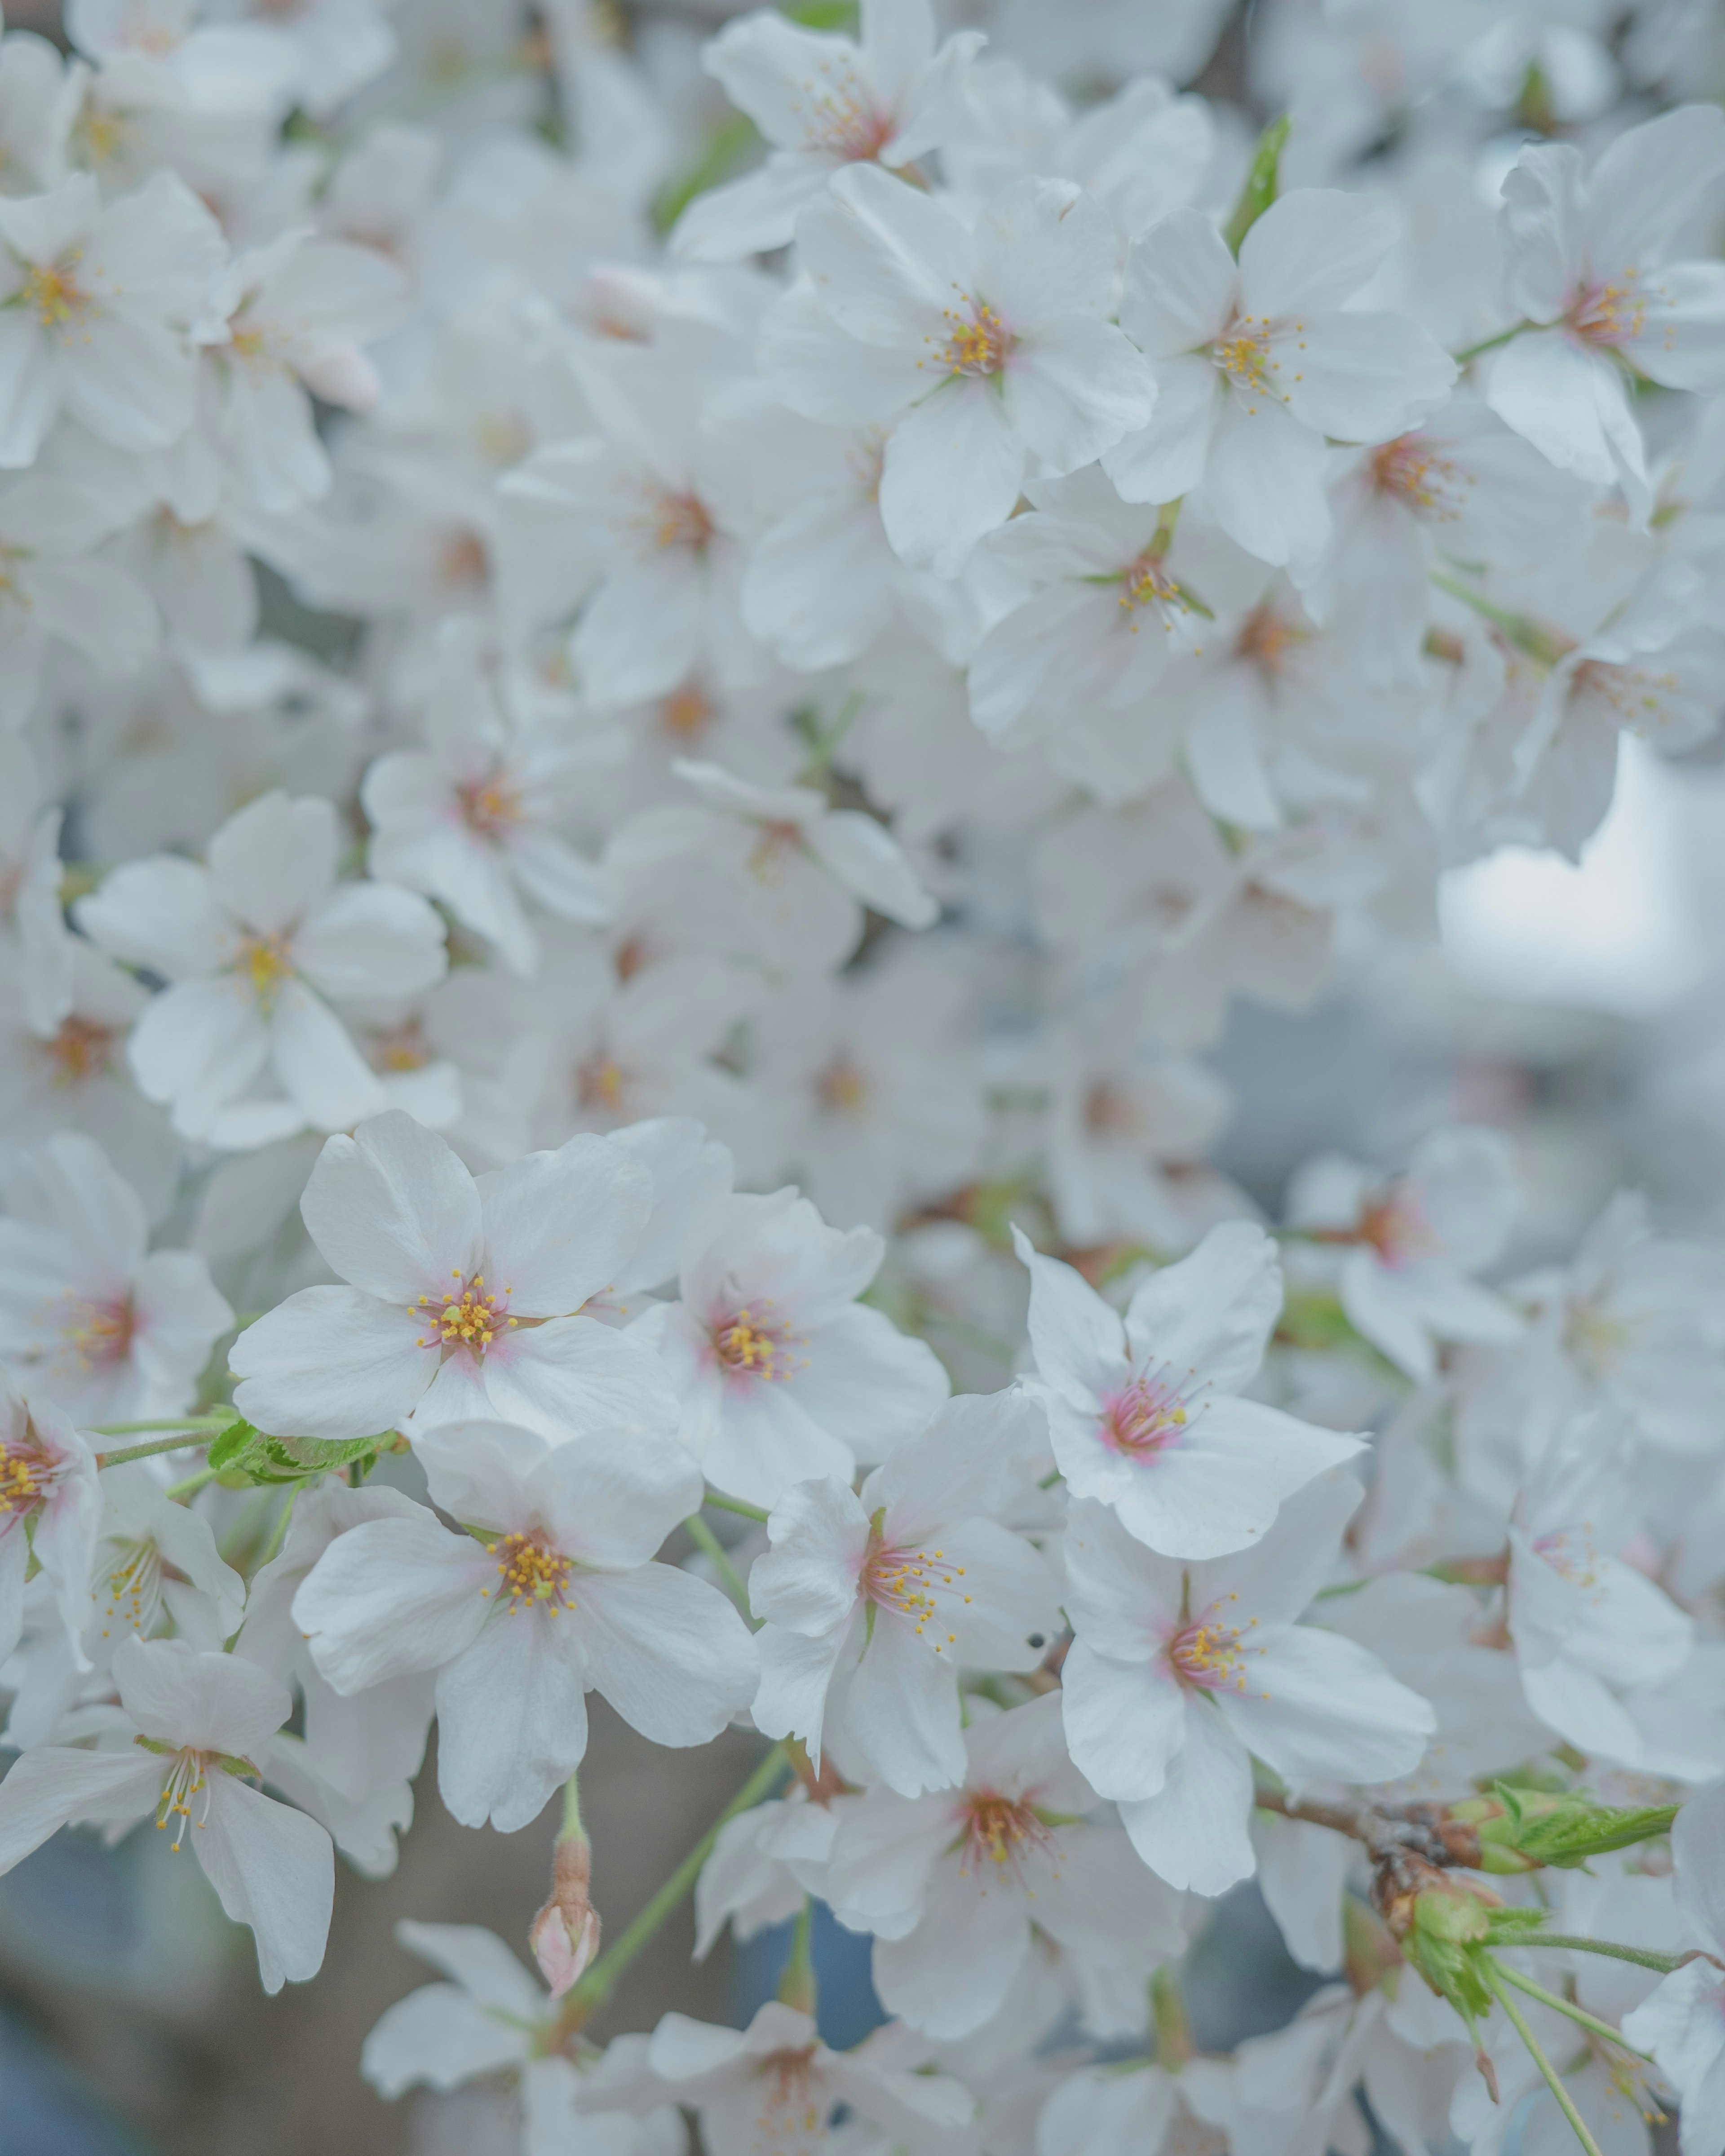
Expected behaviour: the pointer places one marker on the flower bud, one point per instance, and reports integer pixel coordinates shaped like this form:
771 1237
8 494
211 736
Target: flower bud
565 1934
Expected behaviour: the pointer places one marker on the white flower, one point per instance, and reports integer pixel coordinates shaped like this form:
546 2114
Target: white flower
156 1558
36 948
771 2089
202 1721
1144 1414
491 2017
1409 1244
1108 613
51 1501
1461 487
997 338
952 1884
1257 362
294 316
1180 1673
794 871
252 946
54 593
109 1329
359 1755
552 1596
640 524
462 1294
96 303
1587 262
1634 1318
1683 2023
873 1602
822 102
782 1374
764 1861
1591 1633
1139 2110
472 819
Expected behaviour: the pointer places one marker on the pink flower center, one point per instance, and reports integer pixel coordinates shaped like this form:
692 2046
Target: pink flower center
1208 1656
978 342
842 119
471 1317
753 1345
1611 315
533 1575
997 1836
1150 1412
491 806
98 1335
1414 469
906 1581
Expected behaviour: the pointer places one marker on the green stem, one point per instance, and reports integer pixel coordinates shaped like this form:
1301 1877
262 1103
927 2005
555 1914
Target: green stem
733 1505
191 1483
1561 2005
1554 2080
176 1422
1167 2013
278 1533
1473 351
600 1980
572 1829
705 1540
796 1986
1643 1957
1262 182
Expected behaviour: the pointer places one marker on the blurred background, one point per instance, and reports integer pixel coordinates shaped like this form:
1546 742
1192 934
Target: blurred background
1582 1007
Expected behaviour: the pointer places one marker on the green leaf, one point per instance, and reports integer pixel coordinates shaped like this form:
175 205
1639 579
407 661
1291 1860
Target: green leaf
244 1451
823 14
1566 1831
1262 183
228 1450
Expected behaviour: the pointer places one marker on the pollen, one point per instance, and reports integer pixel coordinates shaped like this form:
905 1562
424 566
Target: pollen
264 962
98 1335
471 1317
998 1836
489 806
1210 1656
532 1574
841 1087
687 712
1414 469
681 520
793 2106
1150 1412
1246 356
23 1480
55 293
908 1582
752 1344
188 1779
1610 315
600 1083
978 343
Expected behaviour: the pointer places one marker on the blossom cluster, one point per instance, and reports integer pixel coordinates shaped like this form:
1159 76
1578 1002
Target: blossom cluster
636 783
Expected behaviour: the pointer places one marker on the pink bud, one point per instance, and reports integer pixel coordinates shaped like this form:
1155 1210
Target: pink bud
565 1934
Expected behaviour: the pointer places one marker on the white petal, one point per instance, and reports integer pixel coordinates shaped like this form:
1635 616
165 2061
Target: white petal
511 1718
1193 1833
273 1868
560 1226
391 1596
330 1363
668 1652
393 1209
